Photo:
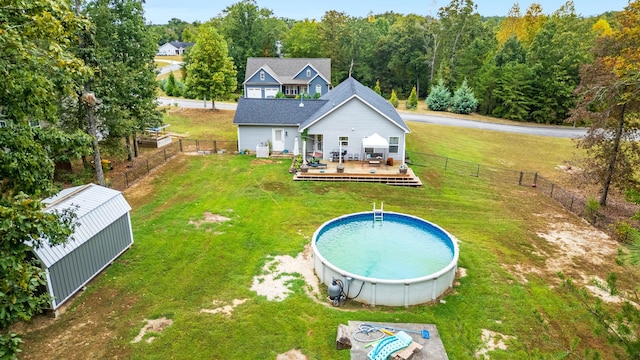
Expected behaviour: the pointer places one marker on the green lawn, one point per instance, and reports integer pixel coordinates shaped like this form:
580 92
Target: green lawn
175 268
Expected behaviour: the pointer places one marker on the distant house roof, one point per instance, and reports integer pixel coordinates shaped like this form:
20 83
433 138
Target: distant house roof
285 69
181 44
347 90
274 111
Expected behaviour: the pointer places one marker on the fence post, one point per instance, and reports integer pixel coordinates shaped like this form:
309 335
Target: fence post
535 180
197 145
180 141
520 180
165 154
478 171
551 193
147 166
571 205
215 147
126 178
446 161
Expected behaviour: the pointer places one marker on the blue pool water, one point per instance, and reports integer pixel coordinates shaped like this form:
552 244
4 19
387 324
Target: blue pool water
399 247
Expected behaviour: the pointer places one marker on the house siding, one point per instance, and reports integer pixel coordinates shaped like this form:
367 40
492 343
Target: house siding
253 135
364 121
73 271
254 82
318 81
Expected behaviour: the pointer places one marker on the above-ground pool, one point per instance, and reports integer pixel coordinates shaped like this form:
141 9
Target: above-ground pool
400 260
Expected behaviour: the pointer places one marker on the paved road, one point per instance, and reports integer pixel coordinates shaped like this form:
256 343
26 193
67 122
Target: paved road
173 66
562 132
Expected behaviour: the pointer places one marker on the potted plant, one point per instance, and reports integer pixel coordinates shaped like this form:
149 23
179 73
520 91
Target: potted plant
304 168
340 168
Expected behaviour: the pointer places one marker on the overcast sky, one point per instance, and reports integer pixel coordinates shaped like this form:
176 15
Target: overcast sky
161 11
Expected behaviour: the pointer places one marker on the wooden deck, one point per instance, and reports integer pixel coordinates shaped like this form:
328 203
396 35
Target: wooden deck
360 171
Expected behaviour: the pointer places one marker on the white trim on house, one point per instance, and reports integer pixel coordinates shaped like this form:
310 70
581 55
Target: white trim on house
262 68
337 106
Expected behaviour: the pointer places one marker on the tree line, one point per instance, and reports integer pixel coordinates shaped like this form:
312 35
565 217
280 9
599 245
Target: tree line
78 80
523 67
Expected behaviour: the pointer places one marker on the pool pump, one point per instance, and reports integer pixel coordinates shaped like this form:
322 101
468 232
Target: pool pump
336 292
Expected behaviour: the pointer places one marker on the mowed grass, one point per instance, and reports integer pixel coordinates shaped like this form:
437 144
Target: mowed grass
201 124
175 269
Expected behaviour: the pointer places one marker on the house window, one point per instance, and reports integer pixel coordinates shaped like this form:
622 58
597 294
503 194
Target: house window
308 73
344 140
291 90
261 75
393 144
319 90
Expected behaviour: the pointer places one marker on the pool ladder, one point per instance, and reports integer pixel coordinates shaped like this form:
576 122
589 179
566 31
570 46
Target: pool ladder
378 214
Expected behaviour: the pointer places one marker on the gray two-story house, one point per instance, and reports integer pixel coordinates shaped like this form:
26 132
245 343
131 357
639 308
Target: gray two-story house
265 77
344 119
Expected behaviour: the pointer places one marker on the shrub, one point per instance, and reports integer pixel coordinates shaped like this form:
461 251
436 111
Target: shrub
377 88
394 99
439 98
591 209
412 101
463 100
625 233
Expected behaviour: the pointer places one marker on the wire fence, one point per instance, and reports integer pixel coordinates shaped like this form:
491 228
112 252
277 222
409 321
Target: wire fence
141 167
571 201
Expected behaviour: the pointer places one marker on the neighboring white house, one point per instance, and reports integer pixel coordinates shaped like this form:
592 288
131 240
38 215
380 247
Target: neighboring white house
340 119
173 48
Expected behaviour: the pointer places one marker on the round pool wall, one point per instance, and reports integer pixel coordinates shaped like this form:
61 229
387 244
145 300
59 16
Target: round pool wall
391 292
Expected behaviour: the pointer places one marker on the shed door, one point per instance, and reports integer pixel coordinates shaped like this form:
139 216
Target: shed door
277 141
254 93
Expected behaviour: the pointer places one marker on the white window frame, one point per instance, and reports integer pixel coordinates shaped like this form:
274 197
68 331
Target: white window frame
344 140
319 89
308 72
394 144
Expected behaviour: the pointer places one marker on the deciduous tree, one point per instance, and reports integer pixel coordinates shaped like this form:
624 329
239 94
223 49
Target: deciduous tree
610 97
210 70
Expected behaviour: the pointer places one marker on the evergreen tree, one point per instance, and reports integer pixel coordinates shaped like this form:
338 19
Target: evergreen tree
463 100
394 99
412 100
377 88
439 98
171 87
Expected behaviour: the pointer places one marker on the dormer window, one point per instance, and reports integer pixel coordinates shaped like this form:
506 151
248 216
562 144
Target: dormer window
262 75
308 72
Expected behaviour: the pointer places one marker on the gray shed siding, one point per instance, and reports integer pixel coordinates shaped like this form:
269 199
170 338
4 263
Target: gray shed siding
356 121
72 272
251 135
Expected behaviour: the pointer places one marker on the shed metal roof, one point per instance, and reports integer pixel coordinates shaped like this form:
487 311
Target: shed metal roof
96 208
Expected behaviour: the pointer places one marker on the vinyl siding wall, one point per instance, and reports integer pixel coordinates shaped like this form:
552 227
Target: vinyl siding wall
73 271
363 120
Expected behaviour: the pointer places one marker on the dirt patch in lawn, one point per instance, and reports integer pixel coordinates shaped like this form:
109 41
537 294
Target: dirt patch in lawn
226 310
491 341
292 355
280 272
209 218
155 326
578 250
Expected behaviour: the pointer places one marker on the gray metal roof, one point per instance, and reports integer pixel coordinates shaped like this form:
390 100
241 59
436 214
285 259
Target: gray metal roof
181 44
97 208
351 88
284 69
274 111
